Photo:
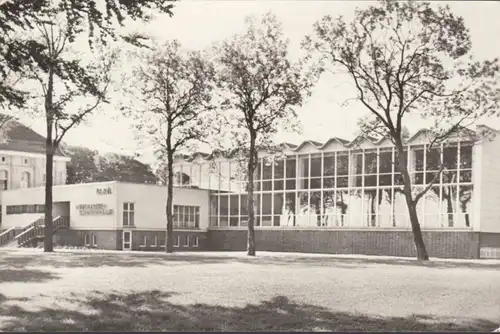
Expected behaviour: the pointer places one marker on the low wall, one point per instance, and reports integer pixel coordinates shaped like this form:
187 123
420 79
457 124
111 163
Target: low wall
442 244
112 239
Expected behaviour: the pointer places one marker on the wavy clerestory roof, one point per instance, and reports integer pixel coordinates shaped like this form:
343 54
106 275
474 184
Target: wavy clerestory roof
358 142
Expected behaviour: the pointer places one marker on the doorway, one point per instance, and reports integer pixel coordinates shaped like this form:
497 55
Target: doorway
127 240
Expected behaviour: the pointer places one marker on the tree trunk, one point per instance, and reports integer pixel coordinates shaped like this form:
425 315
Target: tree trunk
169 247
251 211
412 206
49 164
48 231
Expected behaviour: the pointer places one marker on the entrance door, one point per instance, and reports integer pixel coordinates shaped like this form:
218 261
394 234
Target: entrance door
127 240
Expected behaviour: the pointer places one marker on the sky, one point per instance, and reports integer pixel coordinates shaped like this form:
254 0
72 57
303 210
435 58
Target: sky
197 24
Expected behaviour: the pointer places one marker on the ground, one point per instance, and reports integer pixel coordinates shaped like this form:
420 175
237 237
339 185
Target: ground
120 291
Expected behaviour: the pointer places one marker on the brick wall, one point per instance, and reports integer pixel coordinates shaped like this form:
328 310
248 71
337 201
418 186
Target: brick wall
71 237
112 240
390 243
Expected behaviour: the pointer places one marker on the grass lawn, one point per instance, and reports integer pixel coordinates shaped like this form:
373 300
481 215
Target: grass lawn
119 291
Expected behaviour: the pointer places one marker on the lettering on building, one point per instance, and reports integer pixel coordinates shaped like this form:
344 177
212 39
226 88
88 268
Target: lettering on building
94 210
104 191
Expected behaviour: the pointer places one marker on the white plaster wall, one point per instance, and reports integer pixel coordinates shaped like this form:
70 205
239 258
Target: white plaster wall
489 185
150 203
75 194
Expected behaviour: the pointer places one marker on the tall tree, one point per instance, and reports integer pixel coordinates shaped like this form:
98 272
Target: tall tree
88 165
69 91
173 88
261 87
124 168
93 18
82 168
409 58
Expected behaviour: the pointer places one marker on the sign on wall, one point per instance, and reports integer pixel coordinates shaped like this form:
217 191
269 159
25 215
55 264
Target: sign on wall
94 210
104 191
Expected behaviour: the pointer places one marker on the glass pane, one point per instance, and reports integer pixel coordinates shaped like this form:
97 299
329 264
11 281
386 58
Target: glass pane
385 162
342 165
465 176
316 183
278 185
279 169
304 167
290 204
279 203
433 159
449 177
358 160
266 204
131 217
304 183
125 219
126 237
233 221
224 205
419 159
329 182
244 205
290 184
465 156
371 163
342 182
233 205
267 185
267 169
291 168
329 165
316 166
450 157
370 180
385 179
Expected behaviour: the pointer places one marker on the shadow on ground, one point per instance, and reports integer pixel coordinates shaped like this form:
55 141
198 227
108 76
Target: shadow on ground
26 275
151 311
67 259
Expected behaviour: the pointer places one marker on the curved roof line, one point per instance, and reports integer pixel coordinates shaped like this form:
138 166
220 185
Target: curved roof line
321 146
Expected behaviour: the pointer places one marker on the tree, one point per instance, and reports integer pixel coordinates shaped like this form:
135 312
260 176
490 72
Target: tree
118 167
82 168
174 90
69 91
88 165
261 87
82 16
408 58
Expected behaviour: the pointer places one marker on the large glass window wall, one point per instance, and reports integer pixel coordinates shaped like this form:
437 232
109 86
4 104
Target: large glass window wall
352 188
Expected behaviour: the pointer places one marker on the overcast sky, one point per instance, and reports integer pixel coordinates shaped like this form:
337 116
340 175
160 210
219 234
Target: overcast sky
197 24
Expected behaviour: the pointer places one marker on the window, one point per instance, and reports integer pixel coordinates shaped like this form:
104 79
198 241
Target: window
155 243
195 241
94 240
3 159
90 240
163 241
86 240
26 161
4 180
25 180
144 242
177 241
128 214
189 216
186 241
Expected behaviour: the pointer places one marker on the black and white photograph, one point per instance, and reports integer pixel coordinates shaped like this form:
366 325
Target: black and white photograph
249 165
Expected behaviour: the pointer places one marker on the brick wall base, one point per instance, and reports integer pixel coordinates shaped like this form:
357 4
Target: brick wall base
449 244
113 239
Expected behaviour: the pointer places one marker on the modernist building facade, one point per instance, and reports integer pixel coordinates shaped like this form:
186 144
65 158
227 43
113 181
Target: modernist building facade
341 197
346 197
